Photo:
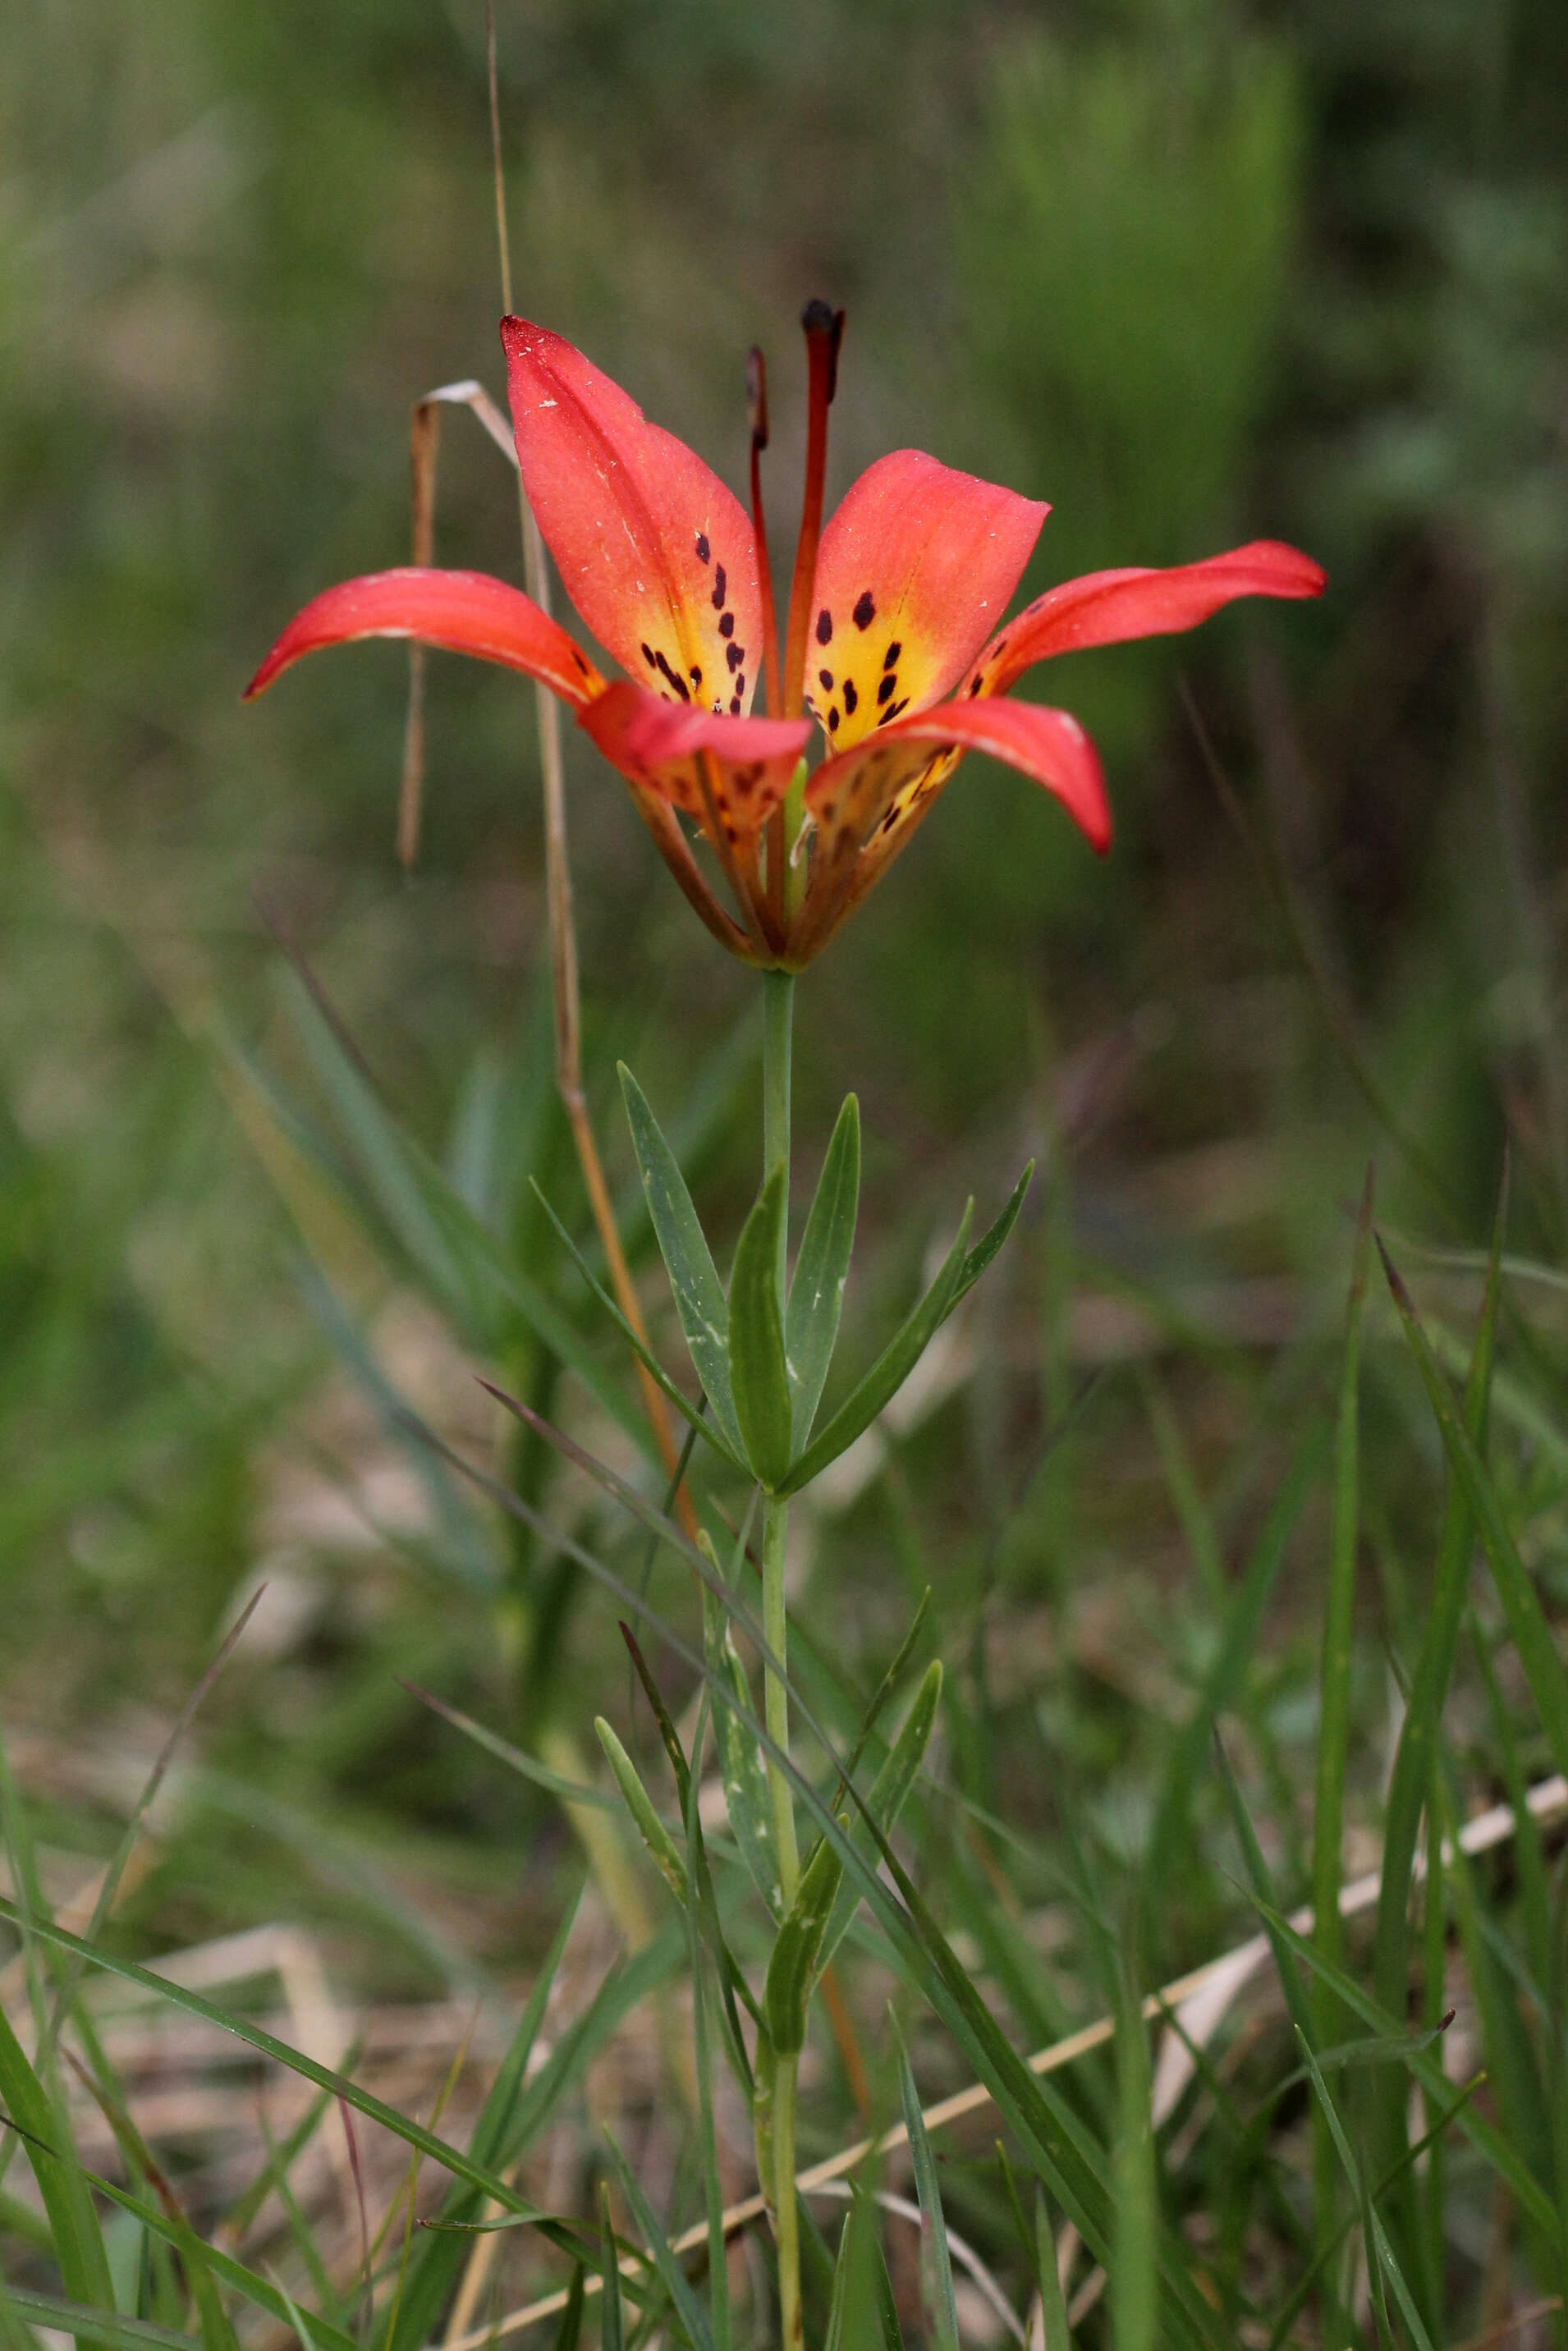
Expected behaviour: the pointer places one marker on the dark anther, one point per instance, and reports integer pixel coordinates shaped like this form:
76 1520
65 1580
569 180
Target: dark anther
819 318
889 658
864 612
702 547
826 678
720 585
756 396
726 626
888 688
824 627
851 697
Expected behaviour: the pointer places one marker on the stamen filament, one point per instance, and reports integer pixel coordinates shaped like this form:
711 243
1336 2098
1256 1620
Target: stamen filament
824 331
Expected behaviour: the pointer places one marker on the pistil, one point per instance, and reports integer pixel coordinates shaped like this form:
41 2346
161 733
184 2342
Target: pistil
757 409
824 331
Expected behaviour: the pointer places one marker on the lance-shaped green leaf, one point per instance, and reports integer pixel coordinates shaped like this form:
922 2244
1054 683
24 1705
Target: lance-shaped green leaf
688 1260
821 1269
746 1792
1544 1668
671 2276
889 1790
661 1845
889 1371
760 1383
727 1448
793 1966
992 1239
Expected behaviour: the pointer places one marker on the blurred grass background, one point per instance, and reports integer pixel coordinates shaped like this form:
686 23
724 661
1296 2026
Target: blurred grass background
1191 269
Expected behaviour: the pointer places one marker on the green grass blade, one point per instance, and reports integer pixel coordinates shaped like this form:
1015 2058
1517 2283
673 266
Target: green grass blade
1335 1709
1544 1668
1237 1644
672 2277
821 1269
92 2327
889 1371
1371 2222
699 1294
1137 2208
632 1982
51 2151
611 2314
1416 1753
936 2260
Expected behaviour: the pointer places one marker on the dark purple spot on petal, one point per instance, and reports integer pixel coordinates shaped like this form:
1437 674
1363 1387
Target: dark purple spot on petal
889 658
851 697
676 680
741 683
720 585
864 612
702 547
726 626
824 627
581 661
735 706
888 688
695 673
825 677
975 685
833 720
894 712
735 654
651 657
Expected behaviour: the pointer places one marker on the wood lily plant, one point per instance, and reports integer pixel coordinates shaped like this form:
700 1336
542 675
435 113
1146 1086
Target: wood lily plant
896 657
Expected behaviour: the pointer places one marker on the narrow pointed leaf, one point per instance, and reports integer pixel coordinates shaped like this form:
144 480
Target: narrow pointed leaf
793 1963
571 2332
688 1260
649 1360
760 1383
746 1793
821 1269
890 1371
662 1847
992 1239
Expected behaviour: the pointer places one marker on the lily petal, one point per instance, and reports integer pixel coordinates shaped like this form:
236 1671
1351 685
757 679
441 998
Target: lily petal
708 766
656 554
1104 608
915 566
465 612
868 802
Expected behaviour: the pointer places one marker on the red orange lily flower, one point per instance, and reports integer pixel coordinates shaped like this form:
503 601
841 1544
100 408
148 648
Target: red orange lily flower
893 644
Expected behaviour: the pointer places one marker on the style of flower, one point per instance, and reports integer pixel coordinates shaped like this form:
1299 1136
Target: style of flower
891 643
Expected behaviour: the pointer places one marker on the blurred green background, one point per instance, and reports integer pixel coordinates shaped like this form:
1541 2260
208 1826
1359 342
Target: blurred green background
1195 271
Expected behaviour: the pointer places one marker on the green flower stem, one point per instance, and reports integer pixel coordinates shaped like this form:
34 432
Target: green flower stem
778 1006
787 2212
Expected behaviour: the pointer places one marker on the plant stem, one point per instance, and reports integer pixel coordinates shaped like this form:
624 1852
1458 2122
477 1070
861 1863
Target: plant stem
777 1004
790 2331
